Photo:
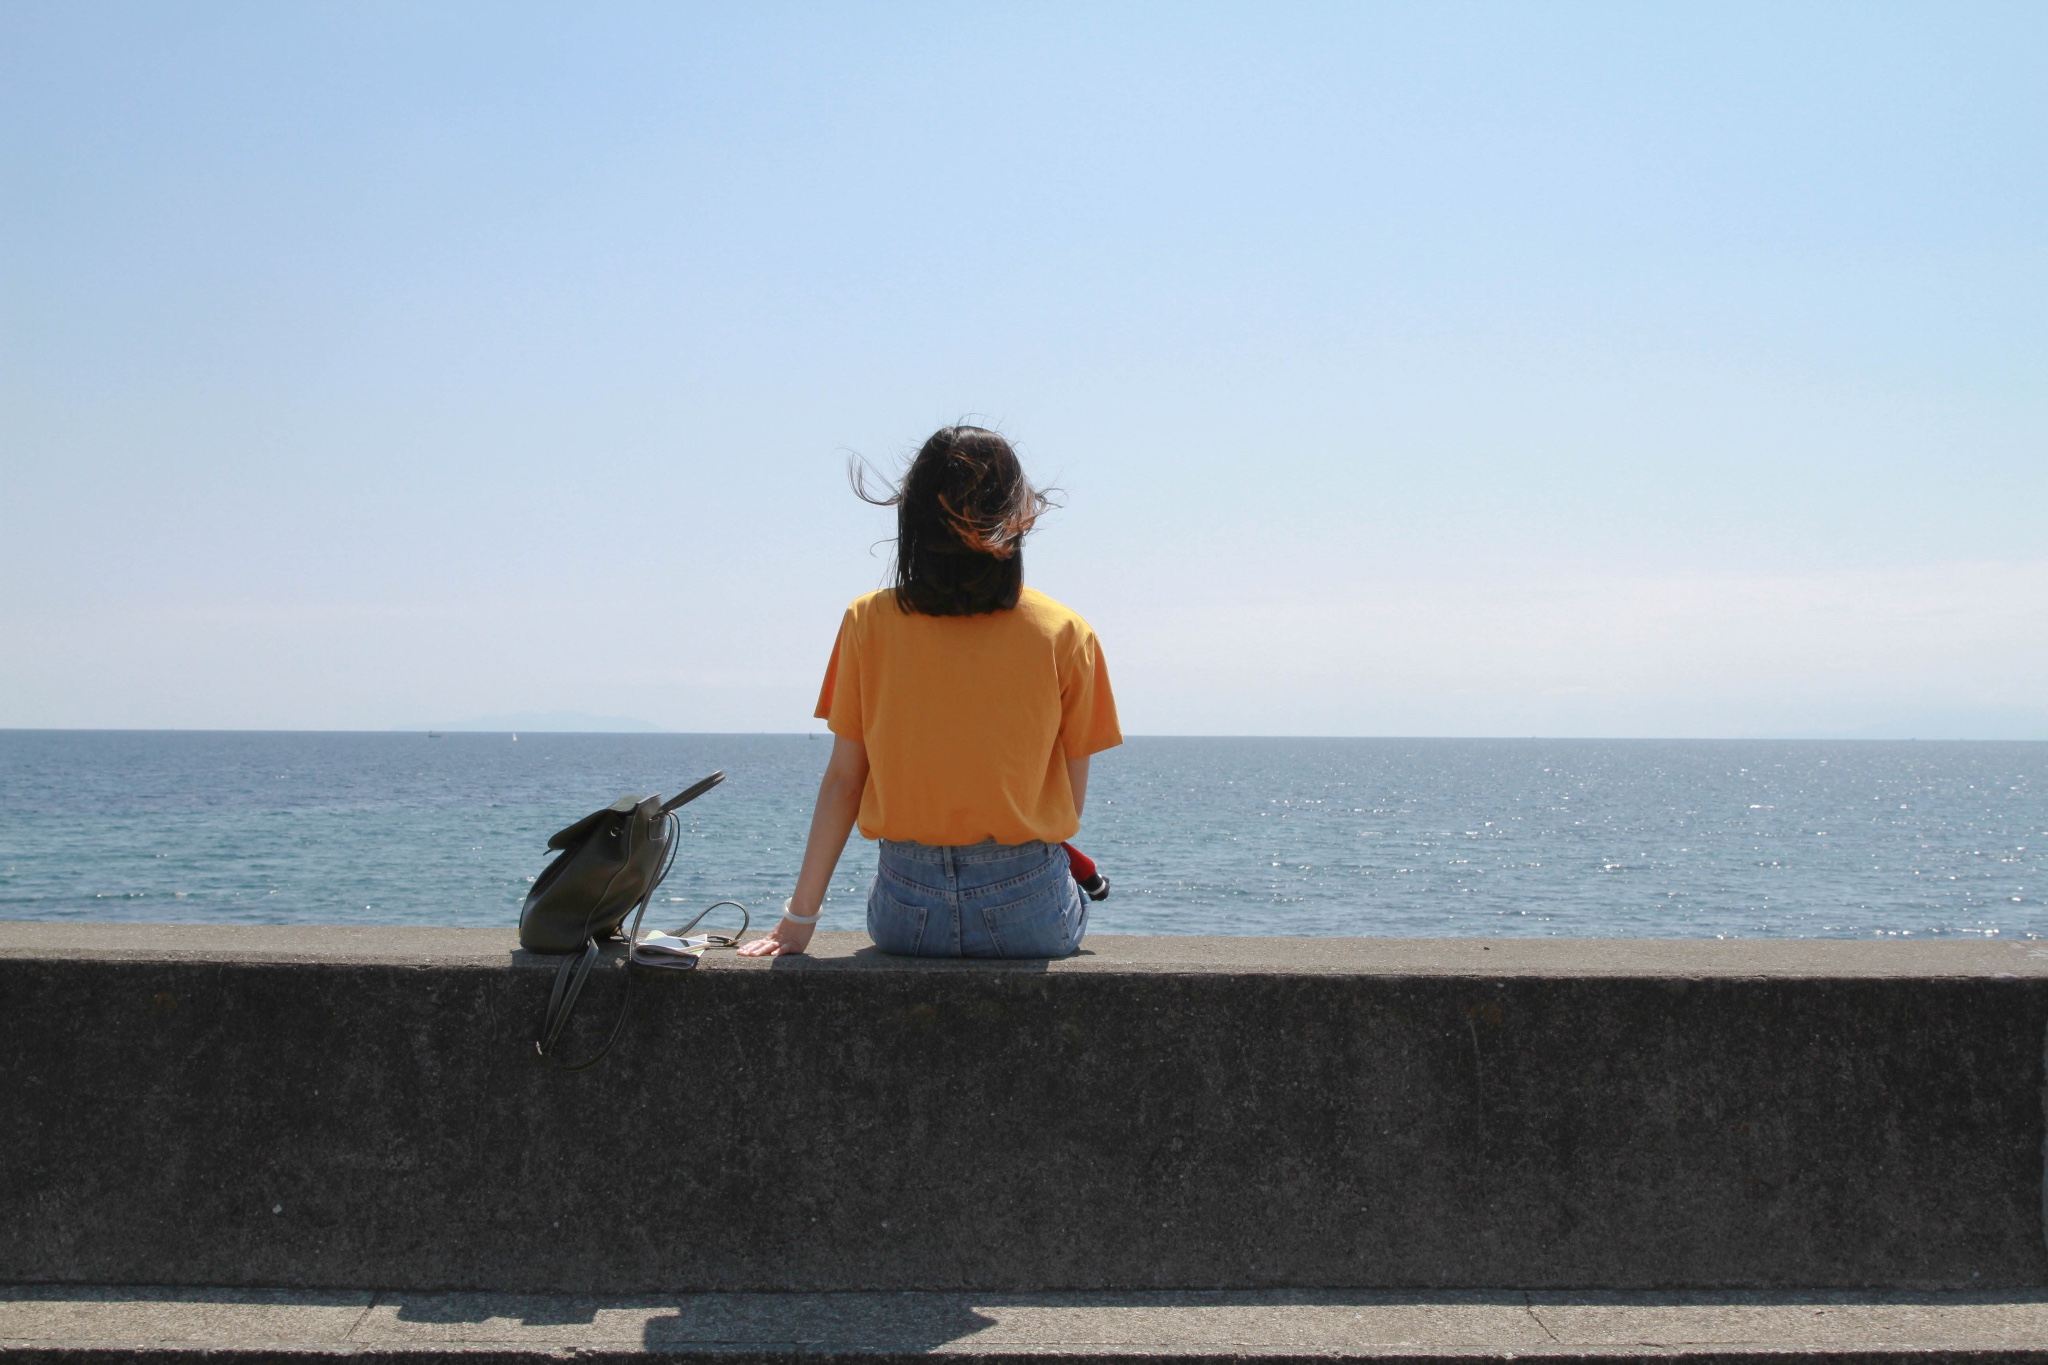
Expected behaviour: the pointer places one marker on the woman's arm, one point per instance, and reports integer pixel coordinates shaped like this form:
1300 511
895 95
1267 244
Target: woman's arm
1077 778
846 776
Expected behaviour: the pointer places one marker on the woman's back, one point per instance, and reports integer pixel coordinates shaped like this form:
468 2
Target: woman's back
969 720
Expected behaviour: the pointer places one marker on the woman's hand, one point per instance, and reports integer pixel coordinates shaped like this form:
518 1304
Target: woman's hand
839 792
784 940
838 803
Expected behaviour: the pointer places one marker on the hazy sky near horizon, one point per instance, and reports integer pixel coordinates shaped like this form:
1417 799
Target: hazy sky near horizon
1563 369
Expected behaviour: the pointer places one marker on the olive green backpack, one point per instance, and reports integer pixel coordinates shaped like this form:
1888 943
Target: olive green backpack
609 865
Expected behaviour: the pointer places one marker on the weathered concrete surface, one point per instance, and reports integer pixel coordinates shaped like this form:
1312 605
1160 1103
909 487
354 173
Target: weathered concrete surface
1966 959
57 1323
361 1108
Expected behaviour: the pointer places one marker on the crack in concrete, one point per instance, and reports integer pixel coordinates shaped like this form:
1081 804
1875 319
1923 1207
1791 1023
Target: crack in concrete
362 1317
1529 1307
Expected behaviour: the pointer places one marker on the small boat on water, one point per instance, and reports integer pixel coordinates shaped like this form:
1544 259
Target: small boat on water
433 734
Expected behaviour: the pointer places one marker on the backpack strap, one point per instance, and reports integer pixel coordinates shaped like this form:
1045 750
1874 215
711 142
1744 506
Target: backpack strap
568 985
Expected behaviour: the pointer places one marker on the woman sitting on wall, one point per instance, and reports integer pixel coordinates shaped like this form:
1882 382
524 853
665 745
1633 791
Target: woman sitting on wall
964 707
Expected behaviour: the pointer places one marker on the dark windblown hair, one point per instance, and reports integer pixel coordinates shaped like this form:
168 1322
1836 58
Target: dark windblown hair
963 509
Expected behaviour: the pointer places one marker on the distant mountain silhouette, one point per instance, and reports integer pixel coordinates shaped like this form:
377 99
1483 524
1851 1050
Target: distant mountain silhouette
1943 723
547 722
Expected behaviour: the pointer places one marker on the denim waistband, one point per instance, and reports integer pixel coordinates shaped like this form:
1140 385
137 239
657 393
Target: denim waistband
988 851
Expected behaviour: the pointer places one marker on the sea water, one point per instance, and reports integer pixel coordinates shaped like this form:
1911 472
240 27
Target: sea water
1215 836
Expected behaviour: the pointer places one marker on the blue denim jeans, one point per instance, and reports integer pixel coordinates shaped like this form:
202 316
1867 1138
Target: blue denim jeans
976 900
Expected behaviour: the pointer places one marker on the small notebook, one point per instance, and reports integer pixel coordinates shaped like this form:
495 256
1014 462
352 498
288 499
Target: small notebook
656 949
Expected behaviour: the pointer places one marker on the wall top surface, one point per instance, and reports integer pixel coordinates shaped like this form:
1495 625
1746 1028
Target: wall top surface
1144 955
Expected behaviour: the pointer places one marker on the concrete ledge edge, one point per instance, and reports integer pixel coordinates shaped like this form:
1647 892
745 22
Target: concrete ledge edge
1129 954
81 1323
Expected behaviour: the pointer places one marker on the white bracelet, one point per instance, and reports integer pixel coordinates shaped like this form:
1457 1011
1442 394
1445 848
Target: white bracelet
800 919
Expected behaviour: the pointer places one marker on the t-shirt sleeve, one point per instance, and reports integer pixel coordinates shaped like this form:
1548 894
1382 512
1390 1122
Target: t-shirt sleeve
839 698
1088 722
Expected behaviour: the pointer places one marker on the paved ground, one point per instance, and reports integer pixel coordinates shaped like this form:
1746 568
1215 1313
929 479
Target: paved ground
45 1320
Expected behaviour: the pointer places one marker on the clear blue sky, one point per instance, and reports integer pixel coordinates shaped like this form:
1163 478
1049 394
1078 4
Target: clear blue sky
1410 369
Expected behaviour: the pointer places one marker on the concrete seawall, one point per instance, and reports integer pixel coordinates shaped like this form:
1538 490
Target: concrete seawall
361 1109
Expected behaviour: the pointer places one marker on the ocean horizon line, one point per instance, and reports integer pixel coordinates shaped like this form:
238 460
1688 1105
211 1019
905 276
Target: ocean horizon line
1791 737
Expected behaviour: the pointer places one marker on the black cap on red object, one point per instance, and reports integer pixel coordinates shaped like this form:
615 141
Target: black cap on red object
1090 880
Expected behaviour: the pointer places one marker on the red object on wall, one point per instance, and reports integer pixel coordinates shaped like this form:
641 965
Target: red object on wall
1083 867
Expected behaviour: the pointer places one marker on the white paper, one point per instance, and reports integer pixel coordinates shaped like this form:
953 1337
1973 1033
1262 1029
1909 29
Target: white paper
656 949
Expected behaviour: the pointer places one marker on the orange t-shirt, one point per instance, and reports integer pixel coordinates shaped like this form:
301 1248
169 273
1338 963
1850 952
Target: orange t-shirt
969 720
